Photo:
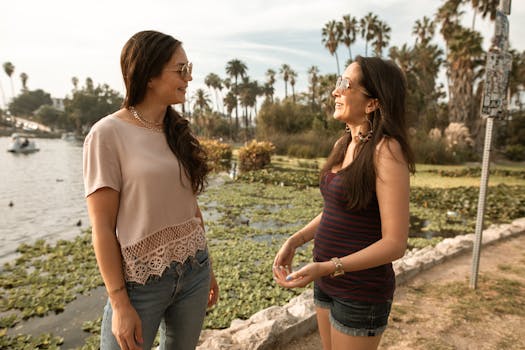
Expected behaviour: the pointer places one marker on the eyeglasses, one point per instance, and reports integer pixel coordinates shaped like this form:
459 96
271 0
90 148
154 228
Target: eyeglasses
185 70
344 84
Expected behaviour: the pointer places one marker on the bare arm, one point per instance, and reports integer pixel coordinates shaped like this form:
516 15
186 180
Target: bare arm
306 234
103 207
282 263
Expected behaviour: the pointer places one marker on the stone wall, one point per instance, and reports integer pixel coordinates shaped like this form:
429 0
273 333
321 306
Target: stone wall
274 326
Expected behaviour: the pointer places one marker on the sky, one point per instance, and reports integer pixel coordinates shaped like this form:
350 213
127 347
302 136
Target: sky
55 40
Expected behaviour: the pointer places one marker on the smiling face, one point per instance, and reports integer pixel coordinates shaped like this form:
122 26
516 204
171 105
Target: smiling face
170 86
351 101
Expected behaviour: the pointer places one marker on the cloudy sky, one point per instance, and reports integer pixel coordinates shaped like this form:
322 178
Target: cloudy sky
54 40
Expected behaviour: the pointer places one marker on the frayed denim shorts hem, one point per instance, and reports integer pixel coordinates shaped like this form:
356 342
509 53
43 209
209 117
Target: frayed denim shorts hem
354 318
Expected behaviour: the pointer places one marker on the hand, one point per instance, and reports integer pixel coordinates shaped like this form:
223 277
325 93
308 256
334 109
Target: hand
127 328
301 277
282 264
214 291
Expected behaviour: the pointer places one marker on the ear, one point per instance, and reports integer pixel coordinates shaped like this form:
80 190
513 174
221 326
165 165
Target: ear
372 105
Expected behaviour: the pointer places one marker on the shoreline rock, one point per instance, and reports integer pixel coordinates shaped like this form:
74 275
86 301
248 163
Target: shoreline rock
275 326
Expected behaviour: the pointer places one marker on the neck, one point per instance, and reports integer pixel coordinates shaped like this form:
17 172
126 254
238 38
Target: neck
151 112
355 130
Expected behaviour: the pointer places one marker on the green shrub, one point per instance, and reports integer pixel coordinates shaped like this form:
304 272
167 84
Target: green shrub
255 155
311 144
515 152
219 154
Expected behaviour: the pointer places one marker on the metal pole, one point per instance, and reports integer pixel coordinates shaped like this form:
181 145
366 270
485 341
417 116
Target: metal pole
493 105
481 203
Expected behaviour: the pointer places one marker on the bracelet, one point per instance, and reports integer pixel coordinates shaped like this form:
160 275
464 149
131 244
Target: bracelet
339 271
119 289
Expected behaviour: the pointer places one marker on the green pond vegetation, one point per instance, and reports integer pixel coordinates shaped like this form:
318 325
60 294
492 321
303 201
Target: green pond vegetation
247 220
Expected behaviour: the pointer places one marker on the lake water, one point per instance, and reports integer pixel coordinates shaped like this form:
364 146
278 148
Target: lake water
46 191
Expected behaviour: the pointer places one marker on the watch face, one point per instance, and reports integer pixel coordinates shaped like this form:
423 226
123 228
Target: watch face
338 268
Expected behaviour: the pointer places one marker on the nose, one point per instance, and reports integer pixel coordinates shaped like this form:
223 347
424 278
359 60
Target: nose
335 92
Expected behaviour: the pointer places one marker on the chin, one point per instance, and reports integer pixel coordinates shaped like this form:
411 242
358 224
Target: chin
337 116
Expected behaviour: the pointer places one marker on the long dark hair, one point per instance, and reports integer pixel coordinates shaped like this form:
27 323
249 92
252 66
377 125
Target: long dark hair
384 81
143 57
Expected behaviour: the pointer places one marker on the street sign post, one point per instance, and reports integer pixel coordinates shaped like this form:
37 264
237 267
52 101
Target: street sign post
494 105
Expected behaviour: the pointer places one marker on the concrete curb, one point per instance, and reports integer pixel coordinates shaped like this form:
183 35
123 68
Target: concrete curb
276 326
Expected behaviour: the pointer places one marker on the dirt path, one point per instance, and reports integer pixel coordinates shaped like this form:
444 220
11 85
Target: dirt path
437 310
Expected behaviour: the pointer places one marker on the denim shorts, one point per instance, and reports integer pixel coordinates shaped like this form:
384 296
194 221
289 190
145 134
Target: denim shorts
175 302
356 318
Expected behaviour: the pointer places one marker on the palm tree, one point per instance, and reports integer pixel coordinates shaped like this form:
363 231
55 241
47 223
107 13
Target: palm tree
213 81
23 79
516 77
236 68
270 74
448 16
202 100
268 91
285 73
423 30
313 78
74 81
292 74
402 57
382 36
230 102
9 69
485 8
368 28
350 29
331 36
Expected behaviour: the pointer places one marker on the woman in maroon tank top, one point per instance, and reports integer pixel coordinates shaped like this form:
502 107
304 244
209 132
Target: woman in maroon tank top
364 223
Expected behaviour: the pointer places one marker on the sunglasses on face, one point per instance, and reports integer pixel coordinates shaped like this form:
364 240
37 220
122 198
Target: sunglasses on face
185 70
343 84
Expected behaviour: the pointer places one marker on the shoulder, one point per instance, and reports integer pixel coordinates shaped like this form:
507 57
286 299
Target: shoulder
389 146
103 125
389 150
104 128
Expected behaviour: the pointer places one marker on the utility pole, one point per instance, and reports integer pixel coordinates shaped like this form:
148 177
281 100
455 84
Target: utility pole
494 105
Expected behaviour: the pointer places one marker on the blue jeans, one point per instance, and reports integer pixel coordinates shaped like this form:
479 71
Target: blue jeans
175 301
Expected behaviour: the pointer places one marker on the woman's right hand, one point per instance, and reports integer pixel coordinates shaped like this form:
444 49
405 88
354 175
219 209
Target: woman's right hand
282 264
127 327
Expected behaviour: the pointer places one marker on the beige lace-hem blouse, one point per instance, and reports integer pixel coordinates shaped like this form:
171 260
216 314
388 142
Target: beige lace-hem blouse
156 222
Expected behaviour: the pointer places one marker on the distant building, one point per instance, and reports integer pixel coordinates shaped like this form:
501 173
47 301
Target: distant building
58 103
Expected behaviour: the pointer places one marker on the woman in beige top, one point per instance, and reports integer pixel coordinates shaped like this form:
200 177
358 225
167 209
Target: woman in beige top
142 171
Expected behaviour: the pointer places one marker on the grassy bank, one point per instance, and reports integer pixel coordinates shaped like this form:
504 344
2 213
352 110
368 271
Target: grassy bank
247 220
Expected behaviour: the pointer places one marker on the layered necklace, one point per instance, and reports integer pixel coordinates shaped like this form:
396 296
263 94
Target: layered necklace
146 123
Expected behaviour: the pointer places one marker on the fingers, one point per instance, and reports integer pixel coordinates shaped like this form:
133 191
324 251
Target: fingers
138 334
128 343
213 296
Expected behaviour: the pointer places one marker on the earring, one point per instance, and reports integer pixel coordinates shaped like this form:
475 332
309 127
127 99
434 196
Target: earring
364 138
347 129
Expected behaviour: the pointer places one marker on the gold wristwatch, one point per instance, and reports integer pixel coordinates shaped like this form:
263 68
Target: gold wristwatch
338 268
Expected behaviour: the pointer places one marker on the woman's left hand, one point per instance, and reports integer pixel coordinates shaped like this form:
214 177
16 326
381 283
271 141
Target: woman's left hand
214 291
301 277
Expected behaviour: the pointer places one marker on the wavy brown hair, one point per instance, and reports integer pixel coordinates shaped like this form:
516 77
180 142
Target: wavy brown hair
143 57
385 82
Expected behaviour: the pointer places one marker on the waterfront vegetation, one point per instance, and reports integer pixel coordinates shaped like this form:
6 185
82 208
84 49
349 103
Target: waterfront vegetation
247 219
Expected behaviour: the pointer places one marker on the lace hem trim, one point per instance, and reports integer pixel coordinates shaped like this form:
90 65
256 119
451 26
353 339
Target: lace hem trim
152 255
